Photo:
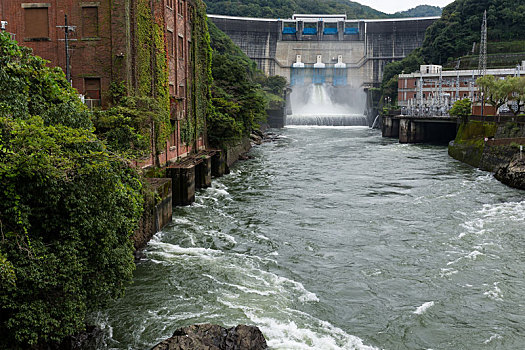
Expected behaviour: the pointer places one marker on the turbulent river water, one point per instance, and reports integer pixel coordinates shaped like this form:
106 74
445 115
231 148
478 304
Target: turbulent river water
334 238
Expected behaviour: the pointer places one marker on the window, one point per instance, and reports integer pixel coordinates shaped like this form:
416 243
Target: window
169 3
181 8
181 48
169 36
36 23
90 22
92 88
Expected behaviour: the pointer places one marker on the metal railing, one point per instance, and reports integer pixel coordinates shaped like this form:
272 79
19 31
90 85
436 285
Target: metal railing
90 103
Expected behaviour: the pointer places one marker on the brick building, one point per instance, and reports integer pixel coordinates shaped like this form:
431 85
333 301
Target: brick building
422 88
103 47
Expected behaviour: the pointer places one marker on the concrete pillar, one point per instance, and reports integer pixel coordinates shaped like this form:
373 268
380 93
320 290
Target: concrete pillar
203 173
340 30
390 127
280 25
183 184
218 164
320 30
300 28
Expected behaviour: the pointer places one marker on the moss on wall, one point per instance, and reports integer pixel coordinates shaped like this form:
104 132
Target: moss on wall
470 141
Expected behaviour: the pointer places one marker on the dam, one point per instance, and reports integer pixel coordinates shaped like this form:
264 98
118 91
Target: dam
325 49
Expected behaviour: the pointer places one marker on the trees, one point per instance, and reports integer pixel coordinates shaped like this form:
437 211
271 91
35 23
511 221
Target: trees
67 206
239 101
499 92
461 108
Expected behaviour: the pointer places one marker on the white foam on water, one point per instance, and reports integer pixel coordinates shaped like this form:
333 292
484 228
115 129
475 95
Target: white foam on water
420 310
241 288
495 293
492 338
290 336
448 272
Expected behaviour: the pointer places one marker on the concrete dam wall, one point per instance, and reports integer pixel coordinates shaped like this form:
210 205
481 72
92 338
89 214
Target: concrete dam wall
327 49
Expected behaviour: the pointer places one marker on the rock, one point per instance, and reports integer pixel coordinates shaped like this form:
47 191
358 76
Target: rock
513 174
256 139
213 337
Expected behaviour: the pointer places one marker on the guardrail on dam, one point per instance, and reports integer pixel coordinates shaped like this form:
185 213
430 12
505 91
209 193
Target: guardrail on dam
325 48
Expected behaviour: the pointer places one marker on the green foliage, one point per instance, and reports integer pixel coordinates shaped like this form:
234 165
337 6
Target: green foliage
390 76
274 84
475 131
460 26
194 127
498 92
421 11
152 66
67 207
461 108
28 87
239 101
128 127
286 8
117 91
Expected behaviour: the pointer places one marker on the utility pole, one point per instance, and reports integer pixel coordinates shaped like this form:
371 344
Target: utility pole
67 29
482 66
457 79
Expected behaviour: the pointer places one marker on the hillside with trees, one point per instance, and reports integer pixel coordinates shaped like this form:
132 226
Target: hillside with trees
240 92
420 11
286 8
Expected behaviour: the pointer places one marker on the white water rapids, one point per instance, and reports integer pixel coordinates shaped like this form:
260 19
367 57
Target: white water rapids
327 105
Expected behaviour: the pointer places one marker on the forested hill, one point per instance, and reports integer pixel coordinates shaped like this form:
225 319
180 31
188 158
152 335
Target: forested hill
286 8
460 26
420 11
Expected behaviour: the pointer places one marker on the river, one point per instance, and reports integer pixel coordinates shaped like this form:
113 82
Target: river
334 238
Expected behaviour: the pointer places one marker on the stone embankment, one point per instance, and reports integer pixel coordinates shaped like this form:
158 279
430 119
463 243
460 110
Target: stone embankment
513 174
213 337
492 145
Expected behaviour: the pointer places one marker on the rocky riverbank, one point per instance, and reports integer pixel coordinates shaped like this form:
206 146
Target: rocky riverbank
493 147
513 174
213 337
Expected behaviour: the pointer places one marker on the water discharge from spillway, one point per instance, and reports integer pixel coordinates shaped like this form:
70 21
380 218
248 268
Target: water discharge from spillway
317 104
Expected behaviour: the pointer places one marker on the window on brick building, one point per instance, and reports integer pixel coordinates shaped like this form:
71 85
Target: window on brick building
181 7
181 47
36 23
92 88
169 37
169 3
90 22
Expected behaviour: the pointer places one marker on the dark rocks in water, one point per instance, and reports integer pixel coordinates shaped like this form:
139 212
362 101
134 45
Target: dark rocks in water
256 139
213 337
513 174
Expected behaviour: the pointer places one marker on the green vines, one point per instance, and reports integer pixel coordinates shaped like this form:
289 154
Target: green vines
152 70
194 126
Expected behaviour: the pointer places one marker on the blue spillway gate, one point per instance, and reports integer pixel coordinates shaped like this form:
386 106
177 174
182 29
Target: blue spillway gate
289 30
351 30
310 31
330 31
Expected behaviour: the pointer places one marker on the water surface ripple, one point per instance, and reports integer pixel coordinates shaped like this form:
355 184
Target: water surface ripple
334 238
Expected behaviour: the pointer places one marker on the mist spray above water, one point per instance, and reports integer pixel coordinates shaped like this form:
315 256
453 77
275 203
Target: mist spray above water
317 104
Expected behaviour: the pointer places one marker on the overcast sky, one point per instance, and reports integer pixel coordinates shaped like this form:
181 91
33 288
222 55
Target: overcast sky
391 6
